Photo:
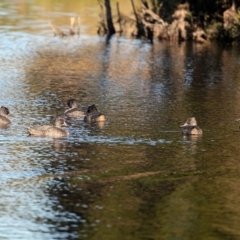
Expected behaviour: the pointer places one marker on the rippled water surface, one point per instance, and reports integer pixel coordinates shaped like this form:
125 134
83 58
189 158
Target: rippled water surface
134 177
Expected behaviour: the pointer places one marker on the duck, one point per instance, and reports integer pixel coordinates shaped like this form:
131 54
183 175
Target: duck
73 110
4 117
52 131
93 115
190 127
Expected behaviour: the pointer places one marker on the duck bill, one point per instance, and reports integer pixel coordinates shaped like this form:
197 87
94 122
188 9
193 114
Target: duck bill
65 124
185 124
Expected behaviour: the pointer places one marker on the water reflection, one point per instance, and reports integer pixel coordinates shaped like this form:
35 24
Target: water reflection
59 145
192 138
134 141
135 177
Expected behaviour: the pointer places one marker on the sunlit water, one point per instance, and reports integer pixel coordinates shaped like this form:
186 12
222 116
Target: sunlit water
135 177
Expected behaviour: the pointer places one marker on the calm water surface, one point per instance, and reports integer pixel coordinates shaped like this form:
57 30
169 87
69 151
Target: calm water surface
135 177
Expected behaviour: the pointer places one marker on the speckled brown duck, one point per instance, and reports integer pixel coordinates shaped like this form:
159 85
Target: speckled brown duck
190 127
93 115
73 110
52 131
4 117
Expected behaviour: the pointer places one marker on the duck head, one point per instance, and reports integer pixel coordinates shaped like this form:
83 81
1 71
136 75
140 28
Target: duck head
72 103
92 109
59 122
4 111
190 122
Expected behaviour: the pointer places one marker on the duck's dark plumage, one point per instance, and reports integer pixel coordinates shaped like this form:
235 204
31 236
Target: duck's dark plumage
93 116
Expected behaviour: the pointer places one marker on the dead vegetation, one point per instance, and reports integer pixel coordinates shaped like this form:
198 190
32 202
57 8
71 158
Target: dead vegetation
145 22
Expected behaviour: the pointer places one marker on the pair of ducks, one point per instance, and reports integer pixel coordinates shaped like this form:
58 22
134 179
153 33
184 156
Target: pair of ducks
91 115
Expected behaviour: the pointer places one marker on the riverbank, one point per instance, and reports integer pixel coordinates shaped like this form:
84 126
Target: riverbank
181 22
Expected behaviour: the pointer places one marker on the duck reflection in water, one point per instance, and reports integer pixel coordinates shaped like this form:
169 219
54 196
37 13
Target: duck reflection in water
192 138
4 117
190 128
59 145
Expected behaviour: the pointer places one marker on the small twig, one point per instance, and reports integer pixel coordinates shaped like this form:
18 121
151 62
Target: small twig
72 21
79 25
56 31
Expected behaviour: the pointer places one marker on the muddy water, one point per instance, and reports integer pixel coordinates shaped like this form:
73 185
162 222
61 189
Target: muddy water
135 177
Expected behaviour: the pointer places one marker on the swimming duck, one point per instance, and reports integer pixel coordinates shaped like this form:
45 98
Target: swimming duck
52 131
93 116
4 114
190 127
73 110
